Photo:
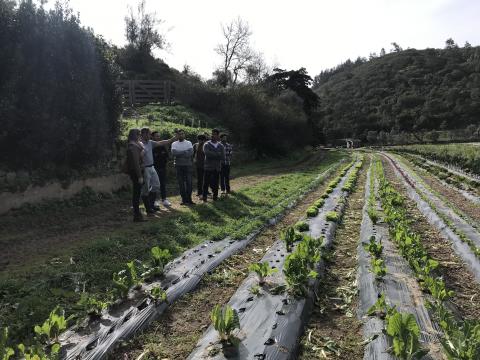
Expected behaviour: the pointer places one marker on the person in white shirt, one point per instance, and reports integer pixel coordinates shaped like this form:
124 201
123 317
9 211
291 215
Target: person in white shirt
182 152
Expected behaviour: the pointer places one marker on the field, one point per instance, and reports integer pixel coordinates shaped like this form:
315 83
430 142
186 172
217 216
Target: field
325 255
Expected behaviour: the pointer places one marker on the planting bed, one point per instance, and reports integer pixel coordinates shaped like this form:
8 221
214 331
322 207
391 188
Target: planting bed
464 235
271 322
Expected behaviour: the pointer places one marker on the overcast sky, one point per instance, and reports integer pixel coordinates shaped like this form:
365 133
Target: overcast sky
316 34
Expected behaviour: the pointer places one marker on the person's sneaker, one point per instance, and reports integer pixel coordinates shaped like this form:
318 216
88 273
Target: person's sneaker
166 203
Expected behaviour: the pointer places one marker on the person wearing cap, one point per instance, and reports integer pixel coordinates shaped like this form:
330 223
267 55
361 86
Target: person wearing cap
160 160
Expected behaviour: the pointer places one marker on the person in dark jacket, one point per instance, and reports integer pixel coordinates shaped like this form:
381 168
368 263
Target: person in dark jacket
226 162
134 168
160 160
214 154
199 158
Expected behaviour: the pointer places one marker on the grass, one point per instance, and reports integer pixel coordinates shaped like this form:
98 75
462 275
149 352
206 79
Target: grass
28 297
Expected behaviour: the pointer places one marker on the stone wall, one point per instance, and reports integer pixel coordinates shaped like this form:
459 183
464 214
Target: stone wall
55 190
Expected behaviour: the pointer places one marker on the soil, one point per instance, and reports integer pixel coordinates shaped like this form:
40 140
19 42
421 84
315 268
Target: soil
176 333
456 275
334 331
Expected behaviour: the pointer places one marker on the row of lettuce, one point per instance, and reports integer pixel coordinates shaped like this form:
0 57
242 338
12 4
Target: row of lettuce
300 264
460 337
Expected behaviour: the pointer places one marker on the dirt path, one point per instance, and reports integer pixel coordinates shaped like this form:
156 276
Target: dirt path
175 334
457 276
32 236
334 329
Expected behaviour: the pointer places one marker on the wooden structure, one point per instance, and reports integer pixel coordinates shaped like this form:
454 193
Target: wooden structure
140 92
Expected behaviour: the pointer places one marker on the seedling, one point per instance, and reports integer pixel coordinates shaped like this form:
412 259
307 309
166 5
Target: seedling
53 326
160 257
297 273
332 216
379 308
225 320
121 283
319 203
374 248
5 352
262 270
288 236
404 332
158 294
91 305
378 267
372 213
256 290
312 211
302 226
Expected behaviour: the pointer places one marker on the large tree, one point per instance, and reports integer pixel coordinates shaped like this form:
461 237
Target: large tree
235 51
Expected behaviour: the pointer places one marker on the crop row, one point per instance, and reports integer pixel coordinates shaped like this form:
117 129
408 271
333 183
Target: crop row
463 155
464 238
298 277
461 338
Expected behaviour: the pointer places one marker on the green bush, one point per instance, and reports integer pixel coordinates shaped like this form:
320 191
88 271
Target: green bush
301 226
332 216
319 203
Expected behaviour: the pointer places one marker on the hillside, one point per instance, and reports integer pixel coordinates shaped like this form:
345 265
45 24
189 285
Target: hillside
409 90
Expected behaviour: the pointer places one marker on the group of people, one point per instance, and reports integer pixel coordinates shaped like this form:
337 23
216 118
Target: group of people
147 158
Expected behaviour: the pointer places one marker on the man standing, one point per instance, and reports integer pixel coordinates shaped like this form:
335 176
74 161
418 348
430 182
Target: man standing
182 151
214 154
199 157
226 162
160 160
151 183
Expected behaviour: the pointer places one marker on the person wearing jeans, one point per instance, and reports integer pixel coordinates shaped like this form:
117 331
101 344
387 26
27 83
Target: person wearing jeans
160 160
151 184
134 169
199 158
214 154
182 151
226 162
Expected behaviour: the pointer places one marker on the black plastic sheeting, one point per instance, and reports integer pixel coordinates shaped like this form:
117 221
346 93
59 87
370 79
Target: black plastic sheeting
182 275
398 285
460 248
271 325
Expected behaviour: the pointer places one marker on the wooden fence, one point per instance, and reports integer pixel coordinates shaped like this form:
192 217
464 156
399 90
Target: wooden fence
139 92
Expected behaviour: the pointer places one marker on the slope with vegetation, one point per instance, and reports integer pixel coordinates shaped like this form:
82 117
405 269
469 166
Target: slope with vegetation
404 92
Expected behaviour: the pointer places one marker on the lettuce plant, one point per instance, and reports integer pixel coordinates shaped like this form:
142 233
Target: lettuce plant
302 226
225 320
262 270
288 236
158 294
5 352
332 216
312 211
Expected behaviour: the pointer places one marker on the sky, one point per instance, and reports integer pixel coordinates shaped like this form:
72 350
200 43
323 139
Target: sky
315 34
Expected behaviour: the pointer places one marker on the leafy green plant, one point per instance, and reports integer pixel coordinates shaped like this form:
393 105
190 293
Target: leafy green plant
404 332
319 203
121 284
225 320
262 270
289 237
256 290
160 257
379 308
302 226
378 267
375 249
5 352
332 216
36 352
298 273
373 215
312 211
53 326
92 305
158 294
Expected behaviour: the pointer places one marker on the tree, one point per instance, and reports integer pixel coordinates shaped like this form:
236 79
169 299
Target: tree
141 32
235 51
396 47
450 44
299 82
